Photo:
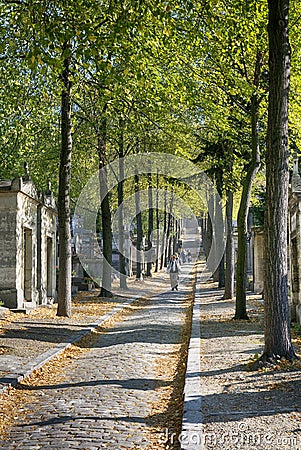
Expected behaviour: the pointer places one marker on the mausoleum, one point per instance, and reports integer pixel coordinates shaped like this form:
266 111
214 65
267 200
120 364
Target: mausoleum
259 261
295 244
28 244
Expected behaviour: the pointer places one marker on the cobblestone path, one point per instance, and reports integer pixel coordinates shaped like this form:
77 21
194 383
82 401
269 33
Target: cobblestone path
106 395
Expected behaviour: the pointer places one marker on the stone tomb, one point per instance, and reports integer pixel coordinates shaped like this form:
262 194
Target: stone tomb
259 261
27 243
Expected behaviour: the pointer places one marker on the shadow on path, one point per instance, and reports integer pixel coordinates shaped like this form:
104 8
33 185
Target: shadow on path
143 384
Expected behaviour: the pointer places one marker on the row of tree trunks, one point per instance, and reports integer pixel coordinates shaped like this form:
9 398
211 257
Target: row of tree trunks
171 231
276 308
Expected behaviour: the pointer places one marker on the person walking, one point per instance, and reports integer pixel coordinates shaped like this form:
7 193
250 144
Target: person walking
173 268
189 256
183 256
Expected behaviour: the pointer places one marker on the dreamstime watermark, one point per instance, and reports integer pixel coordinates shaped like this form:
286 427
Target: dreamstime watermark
240 437
154 167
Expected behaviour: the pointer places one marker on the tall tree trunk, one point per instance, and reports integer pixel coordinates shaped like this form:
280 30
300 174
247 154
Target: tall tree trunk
277 321
164 236
121 234
157 224
242 218
150 225
209 239
64 231
168 233
203 233
170 239
166 251
176 236
242 234
139 228
218 212
229 273
105 213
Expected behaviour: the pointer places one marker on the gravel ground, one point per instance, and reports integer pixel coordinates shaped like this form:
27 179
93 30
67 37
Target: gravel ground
242 408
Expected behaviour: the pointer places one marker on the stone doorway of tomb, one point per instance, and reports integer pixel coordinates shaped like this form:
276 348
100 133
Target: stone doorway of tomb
27 264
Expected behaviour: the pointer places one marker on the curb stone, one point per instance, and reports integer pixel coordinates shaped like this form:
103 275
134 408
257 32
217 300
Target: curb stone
191 433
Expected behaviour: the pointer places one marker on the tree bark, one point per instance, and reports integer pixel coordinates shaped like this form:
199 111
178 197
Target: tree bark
157 224
164 236
208 239
168 233
122 259
229 272
174 235
242 235
139 228
203 233
121 234
218 211
170 238
277 321
166 250
64 231
105 214
150 224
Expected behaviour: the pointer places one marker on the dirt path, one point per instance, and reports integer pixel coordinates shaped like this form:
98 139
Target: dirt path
240 408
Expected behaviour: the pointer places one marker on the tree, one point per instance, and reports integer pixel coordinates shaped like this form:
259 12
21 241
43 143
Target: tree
43 31
229 252
242 219
106 217
139 272
276 310
120 190
228 66
64 231
150 225
229 270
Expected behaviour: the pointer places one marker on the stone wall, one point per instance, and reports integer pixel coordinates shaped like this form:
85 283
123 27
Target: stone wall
8 245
